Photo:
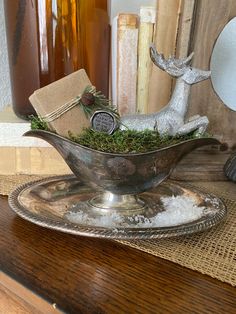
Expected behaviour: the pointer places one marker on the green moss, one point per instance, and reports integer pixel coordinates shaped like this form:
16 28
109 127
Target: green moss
127 141
38 124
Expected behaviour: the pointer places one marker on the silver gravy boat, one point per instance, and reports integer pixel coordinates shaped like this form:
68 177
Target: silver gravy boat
119 178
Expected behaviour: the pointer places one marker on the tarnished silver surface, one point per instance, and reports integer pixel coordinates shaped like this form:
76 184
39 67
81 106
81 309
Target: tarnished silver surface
171 119
51 202
120 173
230 167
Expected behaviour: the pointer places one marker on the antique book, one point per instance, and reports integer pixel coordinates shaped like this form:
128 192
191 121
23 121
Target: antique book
114 61
145 38
127 44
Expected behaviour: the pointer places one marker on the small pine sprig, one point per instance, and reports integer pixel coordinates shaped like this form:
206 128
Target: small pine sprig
38 124
92 100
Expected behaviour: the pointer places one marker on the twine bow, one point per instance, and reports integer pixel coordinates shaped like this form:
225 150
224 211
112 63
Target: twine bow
55 114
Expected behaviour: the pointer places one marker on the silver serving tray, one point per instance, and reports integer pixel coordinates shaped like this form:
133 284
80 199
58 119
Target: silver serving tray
47 203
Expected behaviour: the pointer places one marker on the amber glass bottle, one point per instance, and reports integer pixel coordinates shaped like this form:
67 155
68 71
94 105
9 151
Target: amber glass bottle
48 39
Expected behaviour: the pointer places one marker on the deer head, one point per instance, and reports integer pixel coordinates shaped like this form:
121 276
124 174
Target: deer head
179 67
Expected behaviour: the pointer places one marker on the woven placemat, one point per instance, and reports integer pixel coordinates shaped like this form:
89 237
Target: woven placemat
212 252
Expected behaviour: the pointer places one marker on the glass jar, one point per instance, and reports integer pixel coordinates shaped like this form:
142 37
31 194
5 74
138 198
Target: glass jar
49 39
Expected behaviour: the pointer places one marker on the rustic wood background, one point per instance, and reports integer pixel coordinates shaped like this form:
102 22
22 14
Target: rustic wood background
194 25
210 18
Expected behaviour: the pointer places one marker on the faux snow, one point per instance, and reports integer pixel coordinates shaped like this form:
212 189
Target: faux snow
177 210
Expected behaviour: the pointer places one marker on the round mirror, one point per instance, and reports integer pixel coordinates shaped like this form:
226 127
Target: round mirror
223 65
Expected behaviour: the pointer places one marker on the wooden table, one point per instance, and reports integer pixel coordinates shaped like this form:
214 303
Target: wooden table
83 275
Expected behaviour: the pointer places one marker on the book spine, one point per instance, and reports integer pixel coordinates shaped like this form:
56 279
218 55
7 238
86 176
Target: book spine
127 43
146 32
167 23
114 61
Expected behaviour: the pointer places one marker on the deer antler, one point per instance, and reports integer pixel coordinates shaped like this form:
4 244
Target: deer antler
188 59
157 58
173 66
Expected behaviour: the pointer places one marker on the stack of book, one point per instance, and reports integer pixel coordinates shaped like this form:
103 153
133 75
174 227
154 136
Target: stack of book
132 35
138 85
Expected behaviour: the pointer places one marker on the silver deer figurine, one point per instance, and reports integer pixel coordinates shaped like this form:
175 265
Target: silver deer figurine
171 119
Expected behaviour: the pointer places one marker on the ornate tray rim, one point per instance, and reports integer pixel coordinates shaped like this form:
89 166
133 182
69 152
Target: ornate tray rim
114 233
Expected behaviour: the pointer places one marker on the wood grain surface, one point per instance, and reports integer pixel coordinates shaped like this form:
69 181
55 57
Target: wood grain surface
167 21
185 28
85 275
145 37
202 165
17 299
10 303
211 17
31 160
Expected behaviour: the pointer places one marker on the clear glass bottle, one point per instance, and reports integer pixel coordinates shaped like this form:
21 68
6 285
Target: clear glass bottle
48 39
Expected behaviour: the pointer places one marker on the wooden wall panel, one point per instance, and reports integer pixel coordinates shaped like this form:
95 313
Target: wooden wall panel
172 37
211 17
186 21
168 14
